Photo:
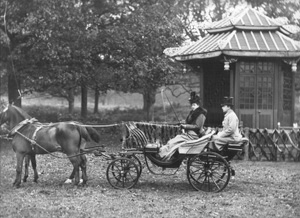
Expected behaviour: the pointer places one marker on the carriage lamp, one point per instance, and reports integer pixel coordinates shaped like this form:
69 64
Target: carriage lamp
294 67
226 65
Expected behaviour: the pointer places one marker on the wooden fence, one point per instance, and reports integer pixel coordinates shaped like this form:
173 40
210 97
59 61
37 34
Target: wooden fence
272 145
264 144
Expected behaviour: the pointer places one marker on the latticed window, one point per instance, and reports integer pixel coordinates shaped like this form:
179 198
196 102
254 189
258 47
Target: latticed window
256 85
247 92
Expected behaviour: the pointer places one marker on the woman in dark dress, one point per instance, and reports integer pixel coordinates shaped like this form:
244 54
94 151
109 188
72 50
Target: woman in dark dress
193 128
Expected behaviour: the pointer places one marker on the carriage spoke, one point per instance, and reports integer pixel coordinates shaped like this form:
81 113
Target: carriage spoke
208 172
218 187
122 173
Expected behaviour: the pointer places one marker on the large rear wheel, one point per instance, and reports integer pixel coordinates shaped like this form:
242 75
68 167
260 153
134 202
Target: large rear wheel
208 172
122 173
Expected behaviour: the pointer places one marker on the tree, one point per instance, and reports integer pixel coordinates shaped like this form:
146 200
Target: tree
60 55
14 41
138 48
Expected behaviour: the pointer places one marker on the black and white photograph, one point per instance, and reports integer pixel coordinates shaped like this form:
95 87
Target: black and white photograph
149 108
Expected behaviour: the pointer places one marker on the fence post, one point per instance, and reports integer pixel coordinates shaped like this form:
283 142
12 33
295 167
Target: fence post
246 148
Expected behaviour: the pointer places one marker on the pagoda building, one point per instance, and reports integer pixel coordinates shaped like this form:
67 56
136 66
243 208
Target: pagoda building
250 57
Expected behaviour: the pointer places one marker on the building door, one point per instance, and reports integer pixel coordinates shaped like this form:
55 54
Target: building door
256 94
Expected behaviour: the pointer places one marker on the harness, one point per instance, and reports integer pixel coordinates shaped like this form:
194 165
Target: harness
23 123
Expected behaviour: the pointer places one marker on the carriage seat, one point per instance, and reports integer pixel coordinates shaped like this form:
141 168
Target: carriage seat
238 146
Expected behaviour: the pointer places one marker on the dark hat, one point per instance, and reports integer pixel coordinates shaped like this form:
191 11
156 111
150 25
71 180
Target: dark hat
194 98
227 101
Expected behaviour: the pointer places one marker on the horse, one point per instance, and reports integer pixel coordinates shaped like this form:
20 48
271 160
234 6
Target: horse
30 137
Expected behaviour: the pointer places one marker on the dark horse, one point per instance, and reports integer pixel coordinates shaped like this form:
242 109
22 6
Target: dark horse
30 137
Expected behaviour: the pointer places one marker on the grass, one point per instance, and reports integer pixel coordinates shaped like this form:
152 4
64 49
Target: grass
260 189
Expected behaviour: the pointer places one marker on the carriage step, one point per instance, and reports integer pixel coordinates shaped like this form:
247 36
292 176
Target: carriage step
236 147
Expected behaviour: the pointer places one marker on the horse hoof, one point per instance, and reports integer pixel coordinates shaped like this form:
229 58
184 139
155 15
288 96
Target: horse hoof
83 184
68 181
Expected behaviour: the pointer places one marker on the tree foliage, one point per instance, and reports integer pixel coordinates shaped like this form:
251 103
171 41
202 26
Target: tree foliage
56 46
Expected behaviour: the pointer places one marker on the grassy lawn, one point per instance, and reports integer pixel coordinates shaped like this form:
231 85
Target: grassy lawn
260 189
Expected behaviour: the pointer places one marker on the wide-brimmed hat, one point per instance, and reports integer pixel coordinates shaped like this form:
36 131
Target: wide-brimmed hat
227 101
194 98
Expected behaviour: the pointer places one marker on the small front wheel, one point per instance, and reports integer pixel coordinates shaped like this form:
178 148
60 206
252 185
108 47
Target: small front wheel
122 173
208 172
136 160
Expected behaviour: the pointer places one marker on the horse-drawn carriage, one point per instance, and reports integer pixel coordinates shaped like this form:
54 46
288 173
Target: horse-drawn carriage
207 170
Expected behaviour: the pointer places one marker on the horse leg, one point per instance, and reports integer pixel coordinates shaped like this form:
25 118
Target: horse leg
26 168
69 180
20 159
76 162
83 168
33 163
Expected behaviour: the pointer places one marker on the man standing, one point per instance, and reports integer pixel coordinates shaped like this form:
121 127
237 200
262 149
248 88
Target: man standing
230 132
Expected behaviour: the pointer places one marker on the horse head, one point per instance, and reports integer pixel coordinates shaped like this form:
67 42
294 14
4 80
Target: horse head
12 115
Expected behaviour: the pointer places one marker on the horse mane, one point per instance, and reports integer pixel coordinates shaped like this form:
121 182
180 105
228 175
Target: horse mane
21 112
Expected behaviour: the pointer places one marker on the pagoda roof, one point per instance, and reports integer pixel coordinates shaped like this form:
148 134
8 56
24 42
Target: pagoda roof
248 33
248 19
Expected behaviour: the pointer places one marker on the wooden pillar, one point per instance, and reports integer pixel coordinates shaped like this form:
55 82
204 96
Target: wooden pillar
293 97
201 78
279 96
246 148
236 86
232 85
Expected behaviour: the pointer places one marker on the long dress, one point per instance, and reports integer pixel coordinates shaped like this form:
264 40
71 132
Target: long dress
193 130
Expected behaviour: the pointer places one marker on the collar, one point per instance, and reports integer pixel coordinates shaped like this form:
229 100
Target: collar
228 112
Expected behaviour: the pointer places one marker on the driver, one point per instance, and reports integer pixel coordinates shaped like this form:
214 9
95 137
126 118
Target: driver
193 128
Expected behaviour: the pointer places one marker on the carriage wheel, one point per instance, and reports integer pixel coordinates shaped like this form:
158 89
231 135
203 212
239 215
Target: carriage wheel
137 161
122 173
208 172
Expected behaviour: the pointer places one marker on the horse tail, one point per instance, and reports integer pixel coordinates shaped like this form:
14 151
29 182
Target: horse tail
89 133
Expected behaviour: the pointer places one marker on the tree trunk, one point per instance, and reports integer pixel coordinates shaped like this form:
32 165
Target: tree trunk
149 100
84 100
13 90
96 106
71 100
